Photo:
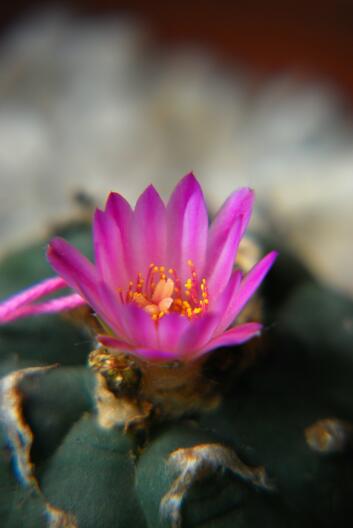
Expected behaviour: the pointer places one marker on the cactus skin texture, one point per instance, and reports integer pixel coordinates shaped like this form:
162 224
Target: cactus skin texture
276 452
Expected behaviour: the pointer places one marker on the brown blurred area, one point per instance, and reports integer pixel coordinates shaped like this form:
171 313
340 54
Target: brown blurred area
311 38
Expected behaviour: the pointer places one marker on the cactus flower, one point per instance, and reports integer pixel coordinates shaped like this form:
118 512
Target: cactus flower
163 285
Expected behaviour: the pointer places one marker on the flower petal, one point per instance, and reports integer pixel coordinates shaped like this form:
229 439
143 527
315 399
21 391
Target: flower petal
225 233
113 342
155 355
224 304
111 311
120 211
149 235
170 329
197 335
239 204
75 269
221 263
187 225
148 354
81 275
109 252
236 336
140 329
249 285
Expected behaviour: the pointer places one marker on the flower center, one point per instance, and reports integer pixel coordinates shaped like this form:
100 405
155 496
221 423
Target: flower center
161 292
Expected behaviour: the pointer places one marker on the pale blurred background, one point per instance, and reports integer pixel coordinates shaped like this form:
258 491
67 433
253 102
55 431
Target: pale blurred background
109 95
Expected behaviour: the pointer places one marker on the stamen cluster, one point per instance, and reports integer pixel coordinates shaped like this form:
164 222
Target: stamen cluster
162 293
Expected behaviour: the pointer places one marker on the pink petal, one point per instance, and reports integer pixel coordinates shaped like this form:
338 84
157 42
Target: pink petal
143 353
236 336
239 204
170 329
249 285
75 269
225 234
221 263
120 211
224 304
29 295
187 223
113 342
199 332
109 252
112 311
155 355
149 236
140 329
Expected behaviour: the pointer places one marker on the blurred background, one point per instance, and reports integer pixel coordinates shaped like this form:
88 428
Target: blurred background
103 95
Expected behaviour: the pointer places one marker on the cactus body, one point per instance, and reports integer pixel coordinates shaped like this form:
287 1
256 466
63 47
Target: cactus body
277 451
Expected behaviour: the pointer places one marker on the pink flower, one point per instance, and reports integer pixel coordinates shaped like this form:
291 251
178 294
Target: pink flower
163 284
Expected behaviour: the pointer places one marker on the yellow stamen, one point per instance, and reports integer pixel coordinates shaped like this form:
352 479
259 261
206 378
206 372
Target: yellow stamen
161 292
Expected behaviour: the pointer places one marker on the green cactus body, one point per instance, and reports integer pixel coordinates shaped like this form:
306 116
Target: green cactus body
273 450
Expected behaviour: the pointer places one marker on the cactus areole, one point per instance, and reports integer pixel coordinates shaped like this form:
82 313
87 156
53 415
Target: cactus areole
163 291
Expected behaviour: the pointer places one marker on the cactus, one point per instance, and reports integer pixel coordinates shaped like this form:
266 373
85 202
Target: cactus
268 444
